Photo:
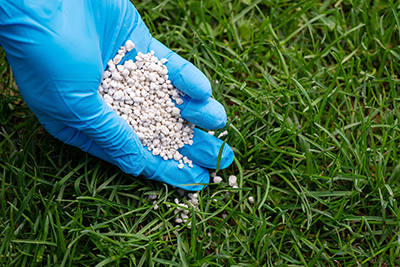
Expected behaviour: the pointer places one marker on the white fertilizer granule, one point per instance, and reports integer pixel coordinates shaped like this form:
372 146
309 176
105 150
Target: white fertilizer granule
217 179
233 181
251 200
224 133
140 92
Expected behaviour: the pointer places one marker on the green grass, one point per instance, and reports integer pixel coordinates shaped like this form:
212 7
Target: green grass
312 95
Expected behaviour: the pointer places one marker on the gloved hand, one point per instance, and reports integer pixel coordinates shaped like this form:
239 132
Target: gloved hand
58 51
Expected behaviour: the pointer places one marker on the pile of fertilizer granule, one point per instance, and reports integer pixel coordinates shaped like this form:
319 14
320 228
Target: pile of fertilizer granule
142 94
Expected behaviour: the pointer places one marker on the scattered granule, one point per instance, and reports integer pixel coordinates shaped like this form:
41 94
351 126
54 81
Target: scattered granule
217 179
251 200
224 133
233 181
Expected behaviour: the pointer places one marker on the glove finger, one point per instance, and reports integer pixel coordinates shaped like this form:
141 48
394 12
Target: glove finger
205 150
208 113
167 171
76 138
183 74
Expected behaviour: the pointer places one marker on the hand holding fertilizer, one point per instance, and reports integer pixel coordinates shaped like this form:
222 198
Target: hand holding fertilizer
59 51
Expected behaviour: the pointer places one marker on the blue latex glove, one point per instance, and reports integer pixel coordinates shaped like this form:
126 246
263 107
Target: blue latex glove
58 51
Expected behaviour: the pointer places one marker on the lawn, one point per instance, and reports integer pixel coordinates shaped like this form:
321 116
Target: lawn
312 92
